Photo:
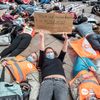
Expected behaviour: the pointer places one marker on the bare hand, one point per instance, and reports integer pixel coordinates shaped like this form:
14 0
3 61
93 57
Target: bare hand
65 36
4 63
41 34
92 69
86 76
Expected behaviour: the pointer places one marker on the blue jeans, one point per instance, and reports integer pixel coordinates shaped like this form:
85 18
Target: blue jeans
53 87
23 7
94 40
82 64
4 6
44 1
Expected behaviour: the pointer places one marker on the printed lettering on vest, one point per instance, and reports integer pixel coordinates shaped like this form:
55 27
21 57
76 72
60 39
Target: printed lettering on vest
84 91
30 66
87 47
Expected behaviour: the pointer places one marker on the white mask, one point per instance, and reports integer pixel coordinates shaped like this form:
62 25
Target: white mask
50 55
30 59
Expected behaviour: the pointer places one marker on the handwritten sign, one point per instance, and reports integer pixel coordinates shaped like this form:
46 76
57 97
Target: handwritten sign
28 30
53 22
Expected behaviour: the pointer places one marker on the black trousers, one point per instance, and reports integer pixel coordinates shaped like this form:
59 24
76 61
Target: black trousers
94 40
19 44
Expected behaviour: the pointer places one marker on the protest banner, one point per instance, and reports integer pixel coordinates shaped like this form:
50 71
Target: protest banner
53 22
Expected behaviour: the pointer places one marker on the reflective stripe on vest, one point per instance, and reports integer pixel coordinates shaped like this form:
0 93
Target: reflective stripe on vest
19 70
89 81
11 69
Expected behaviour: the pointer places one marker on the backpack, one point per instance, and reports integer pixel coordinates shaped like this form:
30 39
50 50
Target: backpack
9 91
24 88
6 38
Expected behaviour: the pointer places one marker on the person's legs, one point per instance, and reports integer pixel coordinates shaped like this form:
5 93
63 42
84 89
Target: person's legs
24 43
12 47
60 90
82 63
30 10
33 80
98 37
94 41
46 90
4 6
15 52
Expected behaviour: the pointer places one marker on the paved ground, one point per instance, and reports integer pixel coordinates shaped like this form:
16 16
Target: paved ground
57 45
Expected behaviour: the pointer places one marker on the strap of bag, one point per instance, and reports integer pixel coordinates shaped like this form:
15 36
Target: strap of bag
84 62
11 73
12 30
2 75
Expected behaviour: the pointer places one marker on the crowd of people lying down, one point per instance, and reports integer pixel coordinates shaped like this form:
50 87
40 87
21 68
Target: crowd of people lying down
44 72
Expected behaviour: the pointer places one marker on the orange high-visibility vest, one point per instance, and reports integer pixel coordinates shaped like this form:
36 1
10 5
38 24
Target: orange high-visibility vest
86 86
83 48
20 68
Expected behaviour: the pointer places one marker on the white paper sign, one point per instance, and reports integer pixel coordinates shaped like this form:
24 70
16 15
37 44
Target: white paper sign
28 30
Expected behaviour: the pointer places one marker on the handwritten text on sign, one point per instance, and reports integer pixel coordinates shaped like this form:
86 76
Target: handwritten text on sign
53 22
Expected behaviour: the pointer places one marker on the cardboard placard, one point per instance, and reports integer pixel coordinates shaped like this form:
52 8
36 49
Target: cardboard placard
53 22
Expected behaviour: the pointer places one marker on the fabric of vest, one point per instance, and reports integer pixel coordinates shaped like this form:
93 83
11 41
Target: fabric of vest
86 86
84 49
20 67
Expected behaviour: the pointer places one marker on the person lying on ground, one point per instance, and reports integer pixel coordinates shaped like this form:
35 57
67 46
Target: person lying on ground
86 80
8 16
53 76
85 29
25 69
6 28
11 28
19 44
24 8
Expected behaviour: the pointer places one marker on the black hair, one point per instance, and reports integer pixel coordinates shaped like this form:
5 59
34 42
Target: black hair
31 24
8 24
14 12
52 50
81 19
56 8
11 8
36 55
31 18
